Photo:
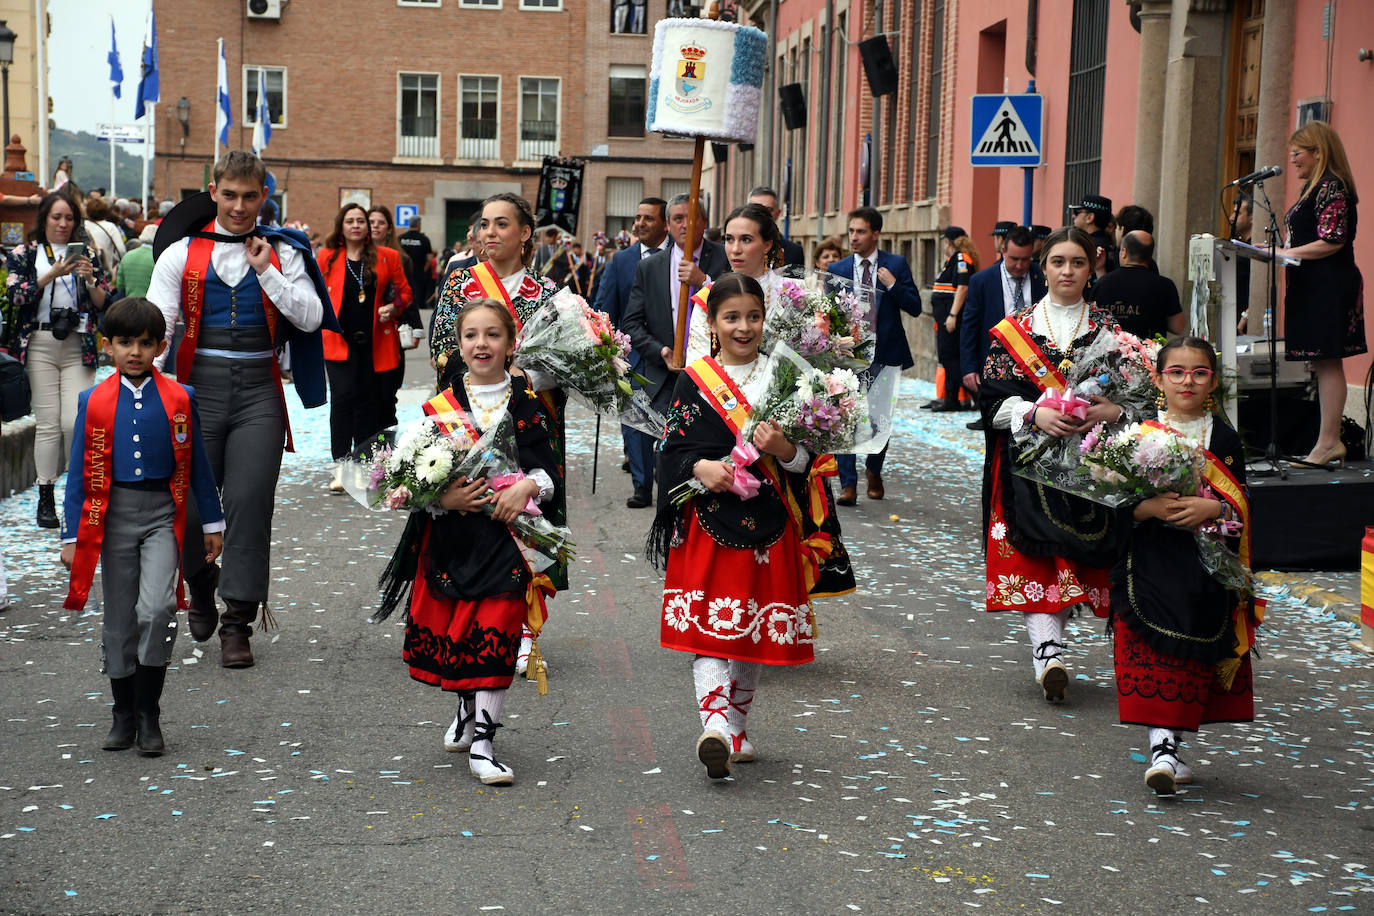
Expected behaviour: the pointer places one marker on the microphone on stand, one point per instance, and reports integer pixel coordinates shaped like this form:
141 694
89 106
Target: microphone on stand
1269 171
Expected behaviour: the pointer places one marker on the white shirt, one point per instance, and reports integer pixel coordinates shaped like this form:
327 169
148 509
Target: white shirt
872 260
289 288
1050 319
645 251
751 383
1009 290
61 291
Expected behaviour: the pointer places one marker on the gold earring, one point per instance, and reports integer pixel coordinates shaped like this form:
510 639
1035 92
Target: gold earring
1210 406
715 342
1160 401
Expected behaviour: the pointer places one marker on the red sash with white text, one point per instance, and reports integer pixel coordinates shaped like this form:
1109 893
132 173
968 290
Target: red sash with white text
98 469
193 278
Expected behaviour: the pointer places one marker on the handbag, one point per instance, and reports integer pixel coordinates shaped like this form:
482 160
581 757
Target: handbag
15 397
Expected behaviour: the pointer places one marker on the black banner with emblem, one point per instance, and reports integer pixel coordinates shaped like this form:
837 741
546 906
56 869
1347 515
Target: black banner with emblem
560 194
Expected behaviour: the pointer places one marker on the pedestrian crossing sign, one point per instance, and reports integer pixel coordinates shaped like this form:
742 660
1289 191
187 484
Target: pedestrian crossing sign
1008 130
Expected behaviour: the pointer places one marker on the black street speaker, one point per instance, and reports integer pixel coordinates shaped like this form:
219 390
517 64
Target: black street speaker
878 65
793 103
720 151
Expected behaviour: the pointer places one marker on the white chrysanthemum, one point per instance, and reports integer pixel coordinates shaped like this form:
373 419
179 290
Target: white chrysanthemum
804 387
848 377
432 465
408 444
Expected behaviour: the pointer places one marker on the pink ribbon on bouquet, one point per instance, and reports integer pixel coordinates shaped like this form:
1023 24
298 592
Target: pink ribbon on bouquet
745 485
1070 405
505 480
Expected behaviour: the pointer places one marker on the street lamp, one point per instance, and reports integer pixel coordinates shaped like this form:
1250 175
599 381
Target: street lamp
184 117
7 37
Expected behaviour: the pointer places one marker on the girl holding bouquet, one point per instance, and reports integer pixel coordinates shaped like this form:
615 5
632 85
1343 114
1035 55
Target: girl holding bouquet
506 229
1047 551
472 590
1181 637
735 593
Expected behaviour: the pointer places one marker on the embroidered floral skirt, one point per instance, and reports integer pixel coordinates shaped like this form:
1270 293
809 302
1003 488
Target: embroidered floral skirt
1038 585
1165 692
462 645
749 605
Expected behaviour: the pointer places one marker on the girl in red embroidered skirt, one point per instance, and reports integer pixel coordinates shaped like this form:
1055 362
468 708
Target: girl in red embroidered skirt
735 594
1047 551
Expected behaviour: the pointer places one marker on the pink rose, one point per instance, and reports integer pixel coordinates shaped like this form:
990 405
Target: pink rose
397 498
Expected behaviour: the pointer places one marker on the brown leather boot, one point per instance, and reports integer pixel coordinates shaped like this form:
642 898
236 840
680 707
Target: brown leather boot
848 497
875 485
236 626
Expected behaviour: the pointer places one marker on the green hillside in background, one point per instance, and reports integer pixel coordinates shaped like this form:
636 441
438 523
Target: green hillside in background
91 162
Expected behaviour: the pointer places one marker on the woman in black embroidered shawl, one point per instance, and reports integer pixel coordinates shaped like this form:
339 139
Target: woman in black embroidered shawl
735 594
471 589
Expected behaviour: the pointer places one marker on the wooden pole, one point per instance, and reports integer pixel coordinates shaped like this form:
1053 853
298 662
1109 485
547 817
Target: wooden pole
684 301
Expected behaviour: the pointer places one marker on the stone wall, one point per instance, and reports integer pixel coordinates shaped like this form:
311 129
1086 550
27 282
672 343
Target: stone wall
16 456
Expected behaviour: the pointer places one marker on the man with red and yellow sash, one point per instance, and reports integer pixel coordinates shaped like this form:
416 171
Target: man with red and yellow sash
136 451
245 292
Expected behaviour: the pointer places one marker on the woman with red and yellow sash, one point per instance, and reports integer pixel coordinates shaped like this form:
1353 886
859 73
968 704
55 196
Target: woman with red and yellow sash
1182 639
738 569
1047 551
471 588
506 228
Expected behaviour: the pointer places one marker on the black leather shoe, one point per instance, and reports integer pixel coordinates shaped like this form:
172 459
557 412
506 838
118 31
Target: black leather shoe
204 614
641 499
976 424
148 681
47 507
125 727
949 404
932 404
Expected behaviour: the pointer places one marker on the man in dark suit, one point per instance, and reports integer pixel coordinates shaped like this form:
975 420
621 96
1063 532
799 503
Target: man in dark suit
886 279
994 293
651 321
792 253
613 295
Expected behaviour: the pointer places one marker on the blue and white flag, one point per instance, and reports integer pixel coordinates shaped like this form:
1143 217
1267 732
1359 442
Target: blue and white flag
262 118
116 71
224 118
148 89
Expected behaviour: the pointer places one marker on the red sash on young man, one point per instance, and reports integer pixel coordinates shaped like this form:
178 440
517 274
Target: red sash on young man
193 278
98 469
1038 368
733 407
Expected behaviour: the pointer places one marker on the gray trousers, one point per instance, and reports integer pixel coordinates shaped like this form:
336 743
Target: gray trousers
138 574
243 422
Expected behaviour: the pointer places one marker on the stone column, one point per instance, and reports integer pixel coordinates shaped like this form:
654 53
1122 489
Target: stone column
1149 115
1191 137
1272 132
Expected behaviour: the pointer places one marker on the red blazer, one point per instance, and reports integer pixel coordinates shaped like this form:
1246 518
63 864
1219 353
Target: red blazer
386 344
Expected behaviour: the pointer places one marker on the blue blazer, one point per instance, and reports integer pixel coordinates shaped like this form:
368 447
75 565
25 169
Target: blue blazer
616 280
892 348
983 308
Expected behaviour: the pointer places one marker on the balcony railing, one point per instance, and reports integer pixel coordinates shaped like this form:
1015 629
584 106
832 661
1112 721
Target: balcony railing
538 139
478 140
419 138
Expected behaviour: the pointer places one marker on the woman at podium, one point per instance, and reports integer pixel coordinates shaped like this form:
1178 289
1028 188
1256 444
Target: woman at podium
1324 306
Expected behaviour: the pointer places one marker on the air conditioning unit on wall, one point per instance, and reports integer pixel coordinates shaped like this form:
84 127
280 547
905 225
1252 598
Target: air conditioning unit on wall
264 9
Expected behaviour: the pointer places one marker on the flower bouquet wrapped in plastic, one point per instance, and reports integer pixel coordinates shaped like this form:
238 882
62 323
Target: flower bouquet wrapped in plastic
569 340
1121 368
828 412
409 467
823 320
1136 462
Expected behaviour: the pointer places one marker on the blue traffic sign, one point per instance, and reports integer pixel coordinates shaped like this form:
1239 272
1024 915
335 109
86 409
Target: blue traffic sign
405 213
1008 130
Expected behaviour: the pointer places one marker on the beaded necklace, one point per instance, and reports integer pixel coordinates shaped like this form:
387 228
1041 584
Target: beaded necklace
1065 363
486 412
358 277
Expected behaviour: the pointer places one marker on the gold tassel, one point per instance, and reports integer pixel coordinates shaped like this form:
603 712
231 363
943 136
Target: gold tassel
815 624
268 621
1227 669
535 668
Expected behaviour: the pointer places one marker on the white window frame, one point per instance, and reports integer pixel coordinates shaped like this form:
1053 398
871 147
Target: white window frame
429 4
461 77
541 8
438 114
476 5
250 117
520 117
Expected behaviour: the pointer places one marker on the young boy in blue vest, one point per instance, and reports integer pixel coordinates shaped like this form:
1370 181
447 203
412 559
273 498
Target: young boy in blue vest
136 451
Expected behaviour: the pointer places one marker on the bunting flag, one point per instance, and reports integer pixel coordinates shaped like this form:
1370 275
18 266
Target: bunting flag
224 118
148 89
116 71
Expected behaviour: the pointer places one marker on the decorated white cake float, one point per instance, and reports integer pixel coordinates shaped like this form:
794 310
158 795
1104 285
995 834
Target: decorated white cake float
707 79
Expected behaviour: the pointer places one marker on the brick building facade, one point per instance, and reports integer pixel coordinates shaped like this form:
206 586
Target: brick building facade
432 103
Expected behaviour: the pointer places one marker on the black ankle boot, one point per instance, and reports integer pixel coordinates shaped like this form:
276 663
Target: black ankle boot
47 508
125 727
148 691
